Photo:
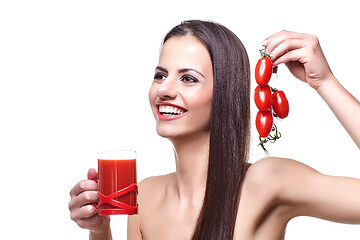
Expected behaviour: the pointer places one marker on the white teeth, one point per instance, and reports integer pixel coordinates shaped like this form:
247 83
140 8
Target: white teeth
170 110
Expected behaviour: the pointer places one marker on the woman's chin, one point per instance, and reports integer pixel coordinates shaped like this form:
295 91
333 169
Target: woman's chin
171 133
181 134
166 134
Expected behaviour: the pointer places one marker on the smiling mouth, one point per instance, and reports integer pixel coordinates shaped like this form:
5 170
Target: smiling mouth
169 111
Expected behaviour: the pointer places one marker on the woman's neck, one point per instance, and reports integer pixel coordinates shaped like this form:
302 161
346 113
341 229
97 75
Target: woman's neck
191 156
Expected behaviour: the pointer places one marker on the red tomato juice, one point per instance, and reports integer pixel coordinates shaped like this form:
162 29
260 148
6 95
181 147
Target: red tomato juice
115 175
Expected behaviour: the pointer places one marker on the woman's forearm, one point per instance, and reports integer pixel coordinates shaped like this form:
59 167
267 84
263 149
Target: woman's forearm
345 107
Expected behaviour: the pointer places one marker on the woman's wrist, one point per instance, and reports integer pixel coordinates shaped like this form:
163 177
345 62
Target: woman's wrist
330 83
104 235
103 232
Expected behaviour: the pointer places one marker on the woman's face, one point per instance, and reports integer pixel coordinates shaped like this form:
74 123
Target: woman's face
181 94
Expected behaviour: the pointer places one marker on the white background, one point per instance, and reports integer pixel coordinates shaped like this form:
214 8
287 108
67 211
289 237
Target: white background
74 78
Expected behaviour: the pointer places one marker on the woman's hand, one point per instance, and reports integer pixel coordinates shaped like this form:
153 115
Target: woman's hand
302 54
83 195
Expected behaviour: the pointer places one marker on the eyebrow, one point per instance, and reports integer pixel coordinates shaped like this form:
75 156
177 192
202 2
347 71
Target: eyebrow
183 70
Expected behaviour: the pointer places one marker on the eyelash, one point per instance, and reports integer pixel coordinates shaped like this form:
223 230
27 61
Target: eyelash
185 78
159 76
189 79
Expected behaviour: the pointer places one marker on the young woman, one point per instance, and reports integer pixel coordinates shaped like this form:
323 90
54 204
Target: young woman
200 100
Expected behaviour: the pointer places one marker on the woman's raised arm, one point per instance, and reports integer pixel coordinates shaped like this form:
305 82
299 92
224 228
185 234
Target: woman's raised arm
345 107
311 193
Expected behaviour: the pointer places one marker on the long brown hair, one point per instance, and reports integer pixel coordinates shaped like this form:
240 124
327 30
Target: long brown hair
229 127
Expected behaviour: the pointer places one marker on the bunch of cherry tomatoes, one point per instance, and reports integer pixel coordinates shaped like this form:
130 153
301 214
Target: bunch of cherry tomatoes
270 101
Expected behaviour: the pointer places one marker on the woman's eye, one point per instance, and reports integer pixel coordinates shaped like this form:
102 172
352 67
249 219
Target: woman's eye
160 76
189 79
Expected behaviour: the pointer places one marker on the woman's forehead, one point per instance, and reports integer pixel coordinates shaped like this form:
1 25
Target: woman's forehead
185 52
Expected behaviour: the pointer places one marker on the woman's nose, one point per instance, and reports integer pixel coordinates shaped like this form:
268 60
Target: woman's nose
167 89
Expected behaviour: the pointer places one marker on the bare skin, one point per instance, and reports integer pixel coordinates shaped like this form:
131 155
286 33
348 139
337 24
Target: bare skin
274 190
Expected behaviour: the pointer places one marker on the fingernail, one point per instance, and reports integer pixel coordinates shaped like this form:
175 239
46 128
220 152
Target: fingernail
265 42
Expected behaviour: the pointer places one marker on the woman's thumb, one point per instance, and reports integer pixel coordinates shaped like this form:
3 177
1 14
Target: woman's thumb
92 174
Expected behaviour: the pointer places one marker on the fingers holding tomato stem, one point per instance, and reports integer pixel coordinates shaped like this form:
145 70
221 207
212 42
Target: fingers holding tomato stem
307 64
294 55
276 39
285 47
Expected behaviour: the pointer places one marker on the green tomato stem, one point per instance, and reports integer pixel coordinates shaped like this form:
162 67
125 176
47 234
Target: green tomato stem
270 138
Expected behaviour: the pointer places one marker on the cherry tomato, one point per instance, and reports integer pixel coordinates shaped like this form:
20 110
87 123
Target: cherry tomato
263 97
280 104
263 70
264 122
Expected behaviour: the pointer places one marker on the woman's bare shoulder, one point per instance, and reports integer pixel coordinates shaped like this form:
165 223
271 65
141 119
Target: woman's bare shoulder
155 185
276 165
155 180
270 173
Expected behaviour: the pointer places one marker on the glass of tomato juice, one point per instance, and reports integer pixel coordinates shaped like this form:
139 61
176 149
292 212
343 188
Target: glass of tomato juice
117 184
